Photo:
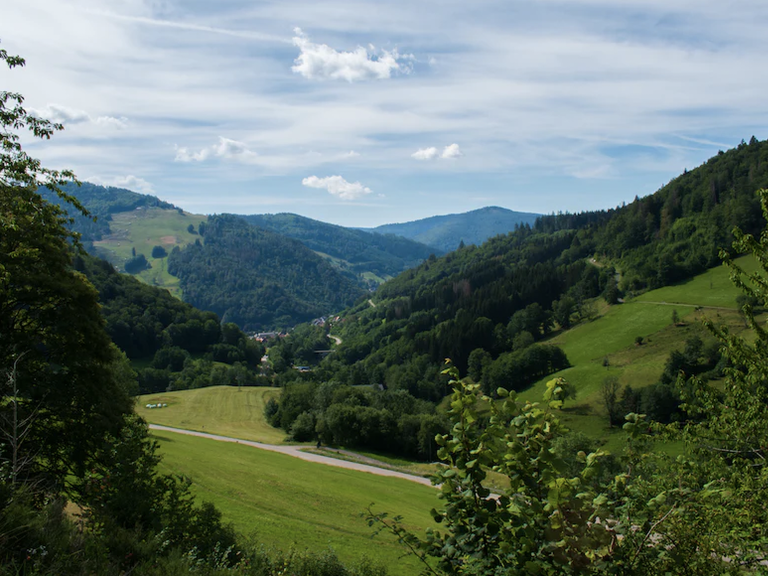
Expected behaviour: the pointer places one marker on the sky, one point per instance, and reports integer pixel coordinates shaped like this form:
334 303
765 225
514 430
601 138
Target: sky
362 113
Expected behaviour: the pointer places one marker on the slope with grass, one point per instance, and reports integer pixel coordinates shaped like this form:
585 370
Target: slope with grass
140 231
286 503
611 339
128 224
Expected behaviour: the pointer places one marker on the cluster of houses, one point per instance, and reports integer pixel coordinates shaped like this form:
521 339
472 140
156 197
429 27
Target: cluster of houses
263 336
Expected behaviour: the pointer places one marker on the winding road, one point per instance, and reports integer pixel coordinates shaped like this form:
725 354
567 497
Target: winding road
296 452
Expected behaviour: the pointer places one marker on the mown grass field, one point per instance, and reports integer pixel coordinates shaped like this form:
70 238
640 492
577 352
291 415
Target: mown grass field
285 502
223 410
142 230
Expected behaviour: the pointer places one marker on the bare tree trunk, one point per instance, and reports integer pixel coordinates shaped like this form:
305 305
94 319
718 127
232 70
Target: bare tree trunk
15 430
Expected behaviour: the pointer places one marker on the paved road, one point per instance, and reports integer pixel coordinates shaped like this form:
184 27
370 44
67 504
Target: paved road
335 339
296 452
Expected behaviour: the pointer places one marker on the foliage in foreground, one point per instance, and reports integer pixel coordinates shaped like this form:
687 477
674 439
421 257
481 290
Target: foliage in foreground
700 513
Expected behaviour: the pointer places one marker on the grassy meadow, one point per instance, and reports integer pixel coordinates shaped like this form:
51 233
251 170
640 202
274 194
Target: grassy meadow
223 410
144 229
284 502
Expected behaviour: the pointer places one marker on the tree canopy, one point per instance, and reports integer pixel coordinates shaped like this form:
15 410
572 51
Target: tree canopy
256 278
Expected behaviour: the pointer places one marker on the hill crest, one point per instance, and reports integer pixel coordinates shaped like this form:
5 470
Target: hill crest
446 232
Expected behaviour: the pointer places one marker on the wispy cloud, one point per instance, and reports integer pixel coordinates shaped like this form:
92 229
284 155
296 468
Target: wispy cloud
449 152
130 182
225 148
321 62
337 186
192 27
70 116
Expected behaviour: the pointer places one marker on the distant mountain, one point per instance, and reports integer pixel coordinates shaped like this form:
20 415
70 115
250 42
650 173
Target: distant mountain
446 232
256 278
372 257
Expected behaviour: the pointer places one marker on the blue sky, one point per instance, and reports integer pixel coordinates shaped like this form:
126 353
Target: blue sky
367 112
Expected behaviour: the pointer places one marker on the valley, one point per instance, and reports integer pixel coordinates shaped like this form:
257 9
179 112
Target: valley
282 320
611 335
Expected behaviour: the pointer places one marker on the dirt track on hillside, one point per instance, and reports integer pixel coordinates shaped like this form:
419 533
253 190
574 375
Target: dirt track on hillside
296 452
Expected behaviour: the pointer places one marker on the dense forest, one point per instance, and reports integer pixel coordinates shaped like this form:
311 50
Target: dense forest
676 232
258 279
185 347
448 232
385 255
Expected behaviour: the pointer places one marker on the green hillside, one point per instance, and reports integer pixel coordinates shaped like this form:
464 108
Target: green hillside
287 503
256 278
373 258
493 309
611 339
129 224
446 232
142 229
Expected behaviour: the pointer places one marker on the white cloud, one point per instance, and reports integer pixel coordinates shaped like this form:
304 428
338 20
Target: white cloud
337 186
321 62
449 152
65 115
350 154
225 148
130 182
425 153
112 122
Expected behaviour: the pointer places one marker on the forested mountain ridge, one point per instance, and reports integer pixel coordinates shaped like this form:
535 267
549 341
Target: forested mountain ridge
256 278
448 231
676 232
499 298
361 252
